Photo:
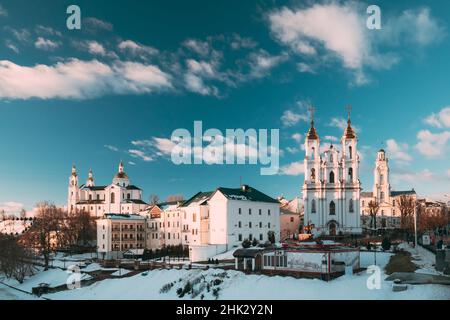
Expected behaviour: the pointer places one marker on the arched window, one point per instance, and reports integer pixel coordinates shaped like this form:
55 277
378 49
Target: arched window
350 174
331 177
313 151
113 197
313 206
381 196
331 157
350 153
332 208
350 206
313 175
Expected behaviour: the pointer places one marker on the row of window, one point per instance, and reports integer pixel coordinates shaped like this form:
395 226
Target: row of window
250 224
250 211
332 207
331 175
250 237
275 261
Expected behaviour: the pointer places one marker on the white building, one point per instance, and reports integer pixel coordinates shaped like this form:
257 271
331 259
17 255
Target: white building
331 189
117 233
213 222
388 215
118 197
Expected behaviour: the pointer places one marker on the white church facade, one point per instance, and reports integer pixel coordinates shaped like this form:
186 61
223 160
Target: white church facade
119 197
332 189
388 215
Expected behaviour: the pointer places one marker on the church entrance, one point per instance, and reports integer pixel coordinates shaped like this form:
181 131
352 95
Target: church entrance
332 229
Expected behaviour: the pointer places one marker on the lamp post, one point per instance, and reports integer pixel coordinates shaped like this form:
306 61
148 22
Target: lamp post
415 224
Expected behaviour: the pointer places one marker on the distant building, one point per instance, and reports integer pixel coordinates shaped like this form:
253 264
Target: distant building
119 197
117 233
389 214
290 218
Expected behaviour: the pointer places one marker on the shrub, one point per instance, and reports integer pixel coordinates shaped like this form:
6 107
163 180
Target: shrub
216 293
246 244
369 246
386 244
217 281
254 242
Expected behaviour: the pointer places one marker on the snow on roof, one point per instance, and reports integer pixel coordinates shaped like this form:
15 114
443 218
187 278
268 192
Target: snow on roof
118 216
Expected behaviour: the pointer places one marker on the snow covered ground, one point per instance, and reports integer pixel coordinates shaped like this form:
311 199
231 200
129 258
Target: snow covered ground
13 226
233 284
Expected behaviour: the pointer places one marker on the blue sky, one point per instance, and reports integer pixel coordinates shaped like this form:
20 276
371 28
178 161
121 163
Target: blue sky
116 89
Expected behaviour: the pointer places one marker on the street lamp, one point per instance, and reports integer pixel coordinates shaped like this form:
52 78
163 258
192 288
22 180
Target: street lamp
415 224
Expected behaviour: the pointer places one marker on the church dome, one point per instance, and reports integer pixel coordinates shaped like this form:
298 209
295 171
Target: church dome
312 133
121 175
349 132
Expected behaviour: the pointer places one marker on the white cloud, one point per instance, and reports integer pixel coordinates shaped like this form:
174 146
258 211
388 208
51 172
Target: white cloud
46 44
297 137
92 24
131 163
238 42
305 68
262 62
12 46
293 169
331 138
140 154
398 151
3 12
338 29
291 118
111 147
196 84
137 49
77 79
440 119
339 123
432 145
414 178
200 47
47 31
11 207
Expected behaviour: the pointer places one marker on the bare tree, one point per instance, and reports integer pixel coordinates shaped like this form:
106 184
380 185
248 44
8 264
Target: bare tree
406 205
16 261
175 197
374 206
46 231
81 228
154 199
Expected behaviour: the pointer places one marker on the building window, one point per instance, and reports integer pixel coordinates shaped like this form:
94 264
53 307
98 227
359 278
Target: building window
350 206
240 224
240 237
260 211
292 219
250 211
331 177
240 211
260 237
350 174
249 224
381 196
268 224
313 206
350 153
313 175
194 217
113 197
332 208
268 211
128 196
250 237
260 224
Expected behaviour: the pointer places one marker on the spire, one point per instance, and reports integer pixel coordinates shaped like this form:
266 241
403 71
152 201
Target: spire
121 167
349 133
90 180
74 170
312 134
